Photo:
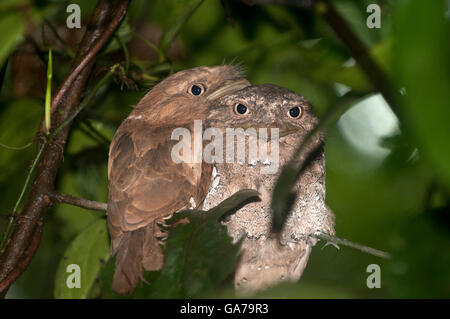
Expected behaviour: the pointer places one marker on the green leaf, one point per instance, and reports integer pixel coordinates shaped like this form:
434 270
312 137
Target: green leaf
199 255
422 68
19 120
12 26
422 261
89 250
48 92
283 197
178 18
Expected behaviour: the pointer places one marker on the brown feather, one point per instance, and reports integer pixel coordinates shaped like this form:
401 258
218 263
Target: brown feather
145 184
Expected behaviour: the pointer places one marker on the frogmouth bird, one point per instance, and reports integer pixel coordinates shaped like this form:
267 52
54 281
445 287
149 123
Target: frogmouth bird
145 184
265 259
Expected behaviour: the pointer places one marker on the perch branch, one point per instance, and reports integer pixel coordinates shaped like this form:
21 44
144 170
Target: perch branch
358 246
27 228
101 206
78 201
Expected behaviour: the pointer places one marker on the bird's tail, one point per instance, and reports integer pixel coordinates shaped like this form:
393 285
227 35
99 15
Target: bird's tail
138 250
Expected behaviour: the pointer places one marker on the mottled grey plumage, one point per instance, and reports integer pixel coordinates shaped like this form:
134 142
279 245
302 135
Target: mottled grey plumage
267 260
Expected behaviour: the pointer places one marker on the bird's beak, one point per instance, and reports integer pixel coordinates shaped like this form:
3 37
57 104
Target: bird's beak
286 130
283 131
230 86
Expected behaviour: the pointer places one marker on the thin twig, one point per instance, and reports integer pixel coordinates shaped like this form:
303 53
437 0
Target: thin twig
16 148
87 128
125 52
48 92
358 246
86 100
49 139
186 10
40 53
152 46
22 193
352 42
358 50
86 60
78 201
61 40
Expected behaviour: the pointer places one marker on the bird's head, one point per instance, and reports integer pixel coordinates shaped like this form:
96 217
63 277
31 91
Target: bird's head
186 95
263 106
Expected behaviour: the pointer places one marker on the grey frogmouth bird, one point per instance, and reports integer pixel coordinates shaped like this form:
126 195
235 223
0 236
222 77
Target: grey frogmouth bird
266 260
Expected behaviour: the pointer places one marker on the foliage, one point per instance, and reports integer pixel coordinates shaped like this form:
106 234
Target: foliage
199 255
90 251
388 185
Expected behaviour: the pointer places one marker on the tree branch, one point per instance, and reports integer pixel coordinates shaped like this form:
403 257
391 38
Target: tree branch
358 50
358 246
101 206
355 46
78 201
27 227
93 42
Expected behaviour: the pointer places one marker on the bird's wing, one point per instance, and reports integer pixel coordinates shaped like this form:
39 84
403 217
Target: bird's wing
145 184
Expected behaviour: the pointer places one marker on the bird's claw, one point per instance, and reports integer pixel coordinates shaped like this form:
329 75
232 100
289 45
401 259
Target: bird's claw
328 243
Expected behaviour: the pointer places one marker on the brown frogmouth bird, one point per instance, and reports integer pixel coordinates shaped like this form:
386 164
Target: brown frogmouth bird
145 184
264 259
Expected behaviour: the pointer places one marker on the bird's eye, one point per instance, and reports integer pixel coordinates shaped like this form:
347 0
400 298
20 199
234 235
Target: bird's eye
196 89
240 108
295 112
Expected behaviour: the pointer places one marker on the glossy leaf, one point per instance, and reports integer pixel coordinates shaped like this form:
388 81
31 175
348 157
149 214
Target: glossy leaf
178 18
199 255
89 250
422 69
12 26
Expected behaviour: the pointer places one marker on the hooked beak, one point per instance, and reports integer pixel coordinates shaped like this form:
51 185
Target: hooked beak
286 130
229 87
